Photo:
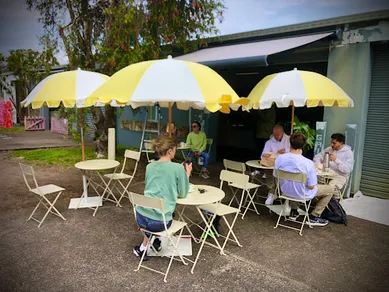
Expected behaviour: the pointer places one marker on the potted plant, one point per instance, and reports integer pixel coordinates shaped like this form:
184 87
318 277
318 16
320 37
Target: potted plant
309 133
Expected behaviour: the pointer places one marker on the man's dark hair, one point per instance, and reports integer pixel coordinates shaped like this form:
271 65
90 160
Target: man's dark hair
297 140
198 124
338 137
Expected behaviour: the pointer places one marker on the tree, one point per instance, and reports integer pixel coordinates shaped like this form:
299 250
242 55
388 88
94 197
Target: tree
29 67
107 35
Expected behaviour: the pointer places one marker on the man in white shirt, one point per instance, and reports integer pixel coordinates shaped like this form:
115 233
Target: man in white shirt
277 144
341 163
296 163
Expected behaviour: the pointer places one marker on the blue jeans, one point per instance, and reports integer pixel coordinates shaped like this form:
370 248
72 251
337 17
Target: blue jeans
151 224
204 155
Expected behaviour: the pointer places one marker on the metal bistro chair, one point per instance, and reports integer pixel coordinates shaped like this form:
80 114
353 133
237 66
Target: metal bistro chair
222 210
296 177
42 192
121 176
246 188
159 204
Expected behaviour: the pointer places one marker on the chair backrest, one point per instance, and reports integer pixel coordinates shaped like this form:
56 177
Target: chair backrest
209 143
234 166
233 177
148 146
132 155
29 176
148 202
297 177
291 176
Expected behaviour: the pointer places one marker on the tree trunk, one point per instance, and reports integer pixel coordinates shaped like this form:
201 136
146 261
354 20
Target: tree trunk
100 132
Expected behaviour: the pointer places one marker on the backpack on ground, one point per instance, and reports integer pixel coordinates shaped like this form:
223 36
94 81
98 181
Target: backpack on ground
335 212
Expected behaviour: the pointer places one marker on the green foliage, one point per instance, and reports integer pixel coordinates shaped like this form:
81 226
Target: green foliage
117 33
73 117
65 157
29 67
309 133
12 130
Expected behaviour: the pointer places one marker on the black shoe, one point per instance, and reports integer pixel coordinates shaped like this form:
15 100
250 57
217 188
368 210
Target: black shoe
139 253
216 223
157 244
294 214
316 221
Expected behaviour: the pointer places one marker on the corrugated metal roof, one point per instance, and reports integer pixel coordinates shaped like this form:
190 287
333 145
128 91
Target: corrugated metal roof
348 19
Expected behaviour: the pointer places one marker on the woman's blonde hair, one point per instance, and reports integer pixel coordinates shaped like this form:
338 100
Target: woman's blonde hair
168 128
163 144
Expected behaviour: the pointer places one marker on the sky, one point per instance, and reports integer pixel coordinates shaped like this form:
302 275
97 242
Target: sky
19 28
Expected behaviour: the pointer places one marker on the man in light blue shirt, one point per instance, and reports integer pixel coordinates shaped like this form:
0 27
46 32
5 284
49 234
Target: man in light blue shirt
296 163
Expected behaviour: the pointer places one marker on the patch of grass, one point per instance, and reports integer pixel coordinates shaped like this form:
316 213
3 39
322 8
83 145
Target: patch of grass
56 156
12 130
64 156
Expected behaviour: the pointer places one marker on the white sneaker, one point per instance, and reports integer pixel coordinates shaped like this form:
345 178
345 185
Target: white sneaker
255 172
270 199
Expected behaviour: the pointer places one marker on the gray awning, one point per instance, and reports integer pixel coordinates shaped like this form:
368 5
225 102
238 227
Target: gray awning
249 52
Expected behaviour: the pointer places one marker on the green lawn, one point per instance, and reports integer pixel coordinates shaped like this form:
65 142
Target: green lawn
12 130
64 157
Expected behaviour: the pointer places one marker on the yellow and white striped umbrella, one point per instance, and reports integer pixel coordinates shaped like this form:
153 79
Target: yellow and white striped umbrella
70 87
166 82
298 88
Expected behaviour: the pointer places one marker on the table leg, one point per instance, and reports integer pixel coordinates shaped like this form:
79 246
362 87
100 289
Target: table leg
107 189
85 201
208 229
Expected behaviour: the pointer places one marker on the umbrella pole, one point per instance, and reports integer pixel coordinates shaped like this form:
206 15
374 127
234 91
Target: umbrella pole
82 135
291 126
170 119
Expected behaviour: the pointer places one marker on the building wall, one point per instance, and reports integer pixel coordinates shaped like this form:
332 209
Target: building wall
350 67
180 117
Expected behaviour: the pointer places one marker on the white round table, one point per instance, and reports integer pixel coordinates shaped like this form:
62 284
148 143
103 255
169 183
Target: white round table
195 198
256 164
95 165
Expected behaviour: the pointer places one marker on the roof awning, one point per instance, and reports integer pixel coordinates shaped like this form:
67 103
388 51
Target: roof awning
249 52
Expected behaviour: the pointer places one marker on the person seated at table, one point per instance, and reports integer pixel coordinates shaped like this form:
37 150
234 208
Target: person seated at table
164 179
295 162
277 144
197 141
174 135
341 162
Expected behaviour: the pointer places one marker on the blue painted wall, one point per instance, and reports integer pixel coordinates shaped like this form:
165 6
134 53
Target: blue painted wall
180 117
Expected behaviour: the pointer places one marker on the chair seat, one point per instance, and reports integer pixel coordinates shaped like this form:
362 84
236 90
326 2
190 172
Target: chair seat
47 189
219 209
117 176
283 196
176 226
249 186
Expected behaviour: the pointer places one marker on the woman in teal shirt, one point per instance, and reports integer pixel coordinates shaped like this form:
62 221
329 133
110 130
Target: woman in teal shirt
164 179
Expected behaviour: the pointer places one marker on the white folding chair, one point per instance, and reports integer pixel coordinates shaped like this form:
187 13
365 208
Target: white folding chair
234 166
222 210
121 176
159 204
148 145
42 192
296 177
231 165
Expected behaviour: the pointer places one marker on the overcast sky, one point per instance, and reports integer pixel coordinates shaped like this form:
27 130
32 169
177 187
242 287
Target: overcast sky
19 28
